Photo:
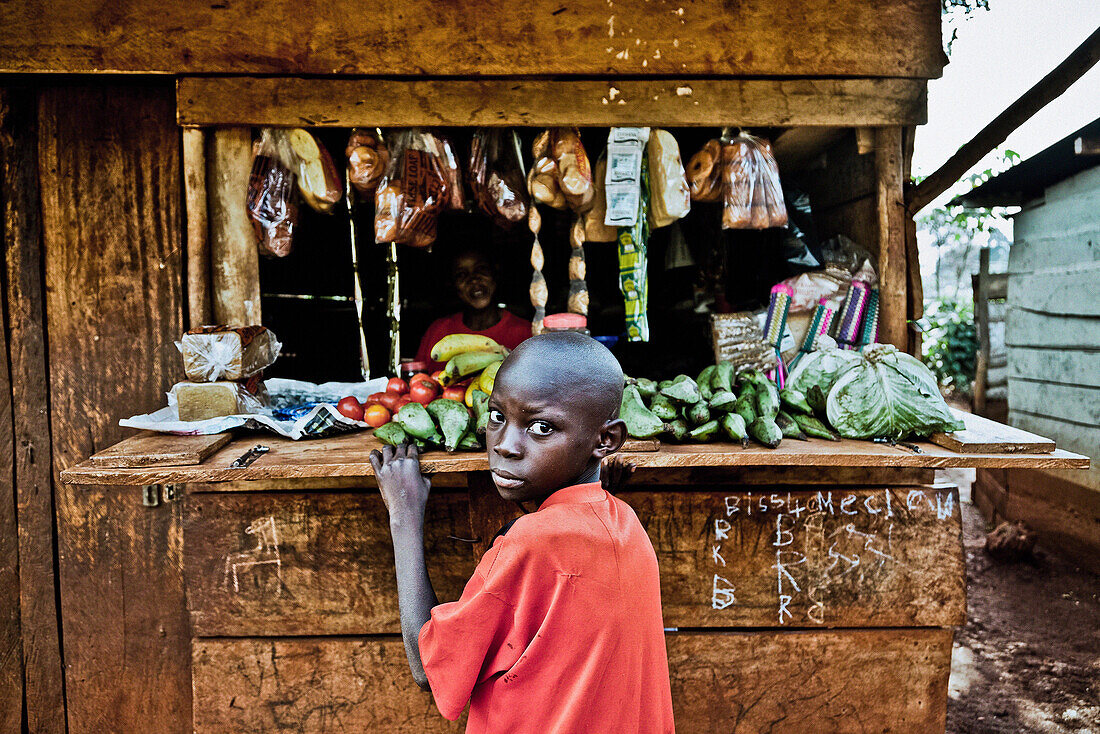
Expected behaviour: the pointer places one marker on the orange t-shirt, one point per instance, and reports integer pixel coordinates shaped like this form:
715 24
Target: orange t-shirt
559 630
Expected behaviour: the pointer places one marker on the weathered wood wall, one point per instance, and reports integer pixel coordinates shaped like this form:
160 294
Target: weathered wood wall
112 242
486 37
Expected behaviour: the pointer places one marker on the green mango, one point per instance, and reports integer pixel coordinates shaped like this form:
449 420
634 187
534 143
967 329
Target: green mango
414 418
698 414
646 388
703 381
706 432
788 426
391 433
766 432
813 427
453 419
745 406
679 429
735 428
685 391
722 379
640 420
723 401
795 400
663 408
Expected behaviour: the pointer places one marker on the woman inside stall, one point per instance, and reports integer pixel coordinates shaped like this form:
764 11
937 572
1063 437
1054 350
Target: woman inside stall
475 281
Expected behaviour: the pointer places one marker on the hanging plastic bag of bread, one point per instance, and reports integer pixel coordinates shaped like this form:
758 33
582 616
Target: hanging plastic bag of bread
496 176
594 228
318 180
455 197
272 194
669 195
368 159
561 176
704 173
542 179
752 193
412 193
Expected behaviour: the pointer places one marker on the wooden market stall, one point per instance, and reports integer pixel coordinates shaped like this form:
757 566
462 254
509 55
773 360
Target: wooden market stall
815 585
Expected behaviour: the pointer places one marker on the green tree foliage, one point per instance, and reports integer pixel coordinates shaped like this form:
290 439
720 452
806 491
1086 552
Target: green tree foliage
951 344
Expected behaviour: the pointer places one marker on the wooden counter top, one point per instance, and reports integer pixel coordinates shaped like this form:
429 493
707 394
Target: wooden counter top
348 456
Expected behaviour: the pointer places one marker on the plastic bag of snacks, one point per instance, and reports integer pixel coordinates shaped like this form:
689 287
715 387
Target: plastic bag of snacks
496 178
412 193
368 159
595 230
318 181
455 197
272 204
561 176
751 192
704 173
212 353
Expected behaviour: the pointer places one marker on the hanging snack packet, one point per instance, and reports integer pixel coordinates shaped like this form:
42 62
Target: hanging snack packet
594 228
271 201
622 180
368 159
318 181
704 173
455 197
670 198
633 267
412 193
496 178
752 194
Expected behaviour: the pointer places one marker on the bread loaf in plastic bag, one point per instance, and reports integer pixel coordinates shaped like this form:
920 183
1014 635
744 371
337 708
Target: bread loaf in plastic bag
213 353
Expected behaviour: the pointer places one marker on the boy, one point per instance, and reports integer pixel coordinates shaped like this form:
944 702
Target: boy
559 630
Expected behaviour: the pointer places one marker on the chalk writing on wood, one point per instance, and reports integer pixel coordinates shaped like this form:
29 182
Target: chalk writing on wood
826 547
265 553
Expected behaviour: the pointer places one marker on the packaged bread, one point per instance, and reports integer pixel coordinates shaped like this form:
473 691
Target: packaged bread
542 179
271 200
704 173
368 159
213 353
669 196
496 176
199 401
594 228
574 168
454 196
318 180
752 193
412 193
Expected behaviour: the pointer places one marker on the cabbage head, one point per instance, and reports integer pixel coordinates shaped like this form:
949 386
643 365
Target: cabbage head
822 368
888 394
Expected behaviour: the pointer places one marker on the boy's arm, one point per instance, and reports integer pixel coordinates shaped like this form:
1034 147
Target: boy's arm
405 491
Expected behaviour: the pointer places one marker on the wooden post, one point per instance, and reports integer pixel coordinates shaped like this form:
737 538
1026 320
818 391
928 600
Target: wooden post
198 236
236 275
43 676
981 320
890 204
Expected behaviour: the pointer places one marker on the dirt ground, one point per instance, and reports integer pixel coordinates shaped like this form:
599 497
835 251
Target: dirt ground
1028 659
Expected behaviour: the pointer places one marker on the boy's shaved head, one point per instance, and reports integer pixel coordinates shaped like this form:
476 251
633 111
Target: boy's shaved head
582 370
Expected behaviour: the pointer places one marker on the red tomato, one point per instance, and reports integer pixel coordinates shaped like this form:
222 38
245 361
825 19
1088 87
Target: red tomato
455 392
422 392
419 377
397 385
437 375
402 401
390 400
375 398
349 407
376 415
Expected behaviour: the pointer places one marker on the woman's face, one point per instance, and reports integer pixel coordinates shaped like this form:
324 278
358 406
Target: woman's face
474 281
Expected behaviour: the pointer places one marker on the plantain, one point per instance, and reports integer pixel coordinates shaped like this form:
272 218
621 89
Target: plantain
467 363
663 408
453 345
735 428
697 414
683 391
468 397
788 426
767 399
391 433
469 442
722 379
416 421
723 400
703 381
678 429
646 388
813 427
663 384
816 398
795 400
487 378
640 420
705 433
745 406
453 419
766 432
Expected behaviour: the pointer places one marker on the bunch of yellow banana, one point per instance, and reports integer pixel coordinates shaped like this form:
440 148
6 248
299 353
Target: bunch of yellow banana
467 355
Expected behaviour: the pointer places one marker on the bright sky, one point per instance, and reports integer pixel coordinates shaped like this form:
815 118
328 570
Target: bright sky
998 55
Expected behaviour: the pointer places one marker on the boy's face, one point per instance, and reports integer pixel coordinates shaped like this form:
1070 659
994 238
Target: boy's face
543 435
474 281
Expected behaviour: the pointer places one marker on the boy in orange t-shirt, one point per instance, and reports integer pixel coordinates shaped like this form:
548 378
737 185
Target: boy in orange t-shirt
559 629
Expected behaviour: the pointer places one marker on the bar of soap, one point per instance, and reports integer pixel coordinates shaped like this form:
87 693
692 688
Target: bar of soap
198 401
213 353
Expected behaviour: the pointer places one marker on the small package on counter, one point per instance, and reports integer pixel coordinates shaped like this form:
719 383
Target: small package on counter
496 176
412 193
622 180
216 353
272 202
199 401
368 159
751 192
669 196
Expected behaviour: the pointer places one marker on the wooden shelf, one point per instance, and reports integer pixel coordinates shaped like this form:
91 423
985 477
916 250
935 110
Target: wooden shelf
348 456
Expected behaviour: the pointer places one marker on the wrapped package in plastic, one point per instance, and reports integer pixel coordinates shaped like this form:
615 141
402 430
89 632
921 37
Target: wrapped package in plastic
574 168
496 176
594 228
368 159
704 173
214 353
272 200
669 195
454 196
412 193
199 401
318 180
626 149
751 192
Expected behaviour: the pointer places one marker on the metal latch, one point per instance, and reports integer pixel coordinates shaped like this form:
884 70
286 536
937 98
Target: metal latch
153 494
